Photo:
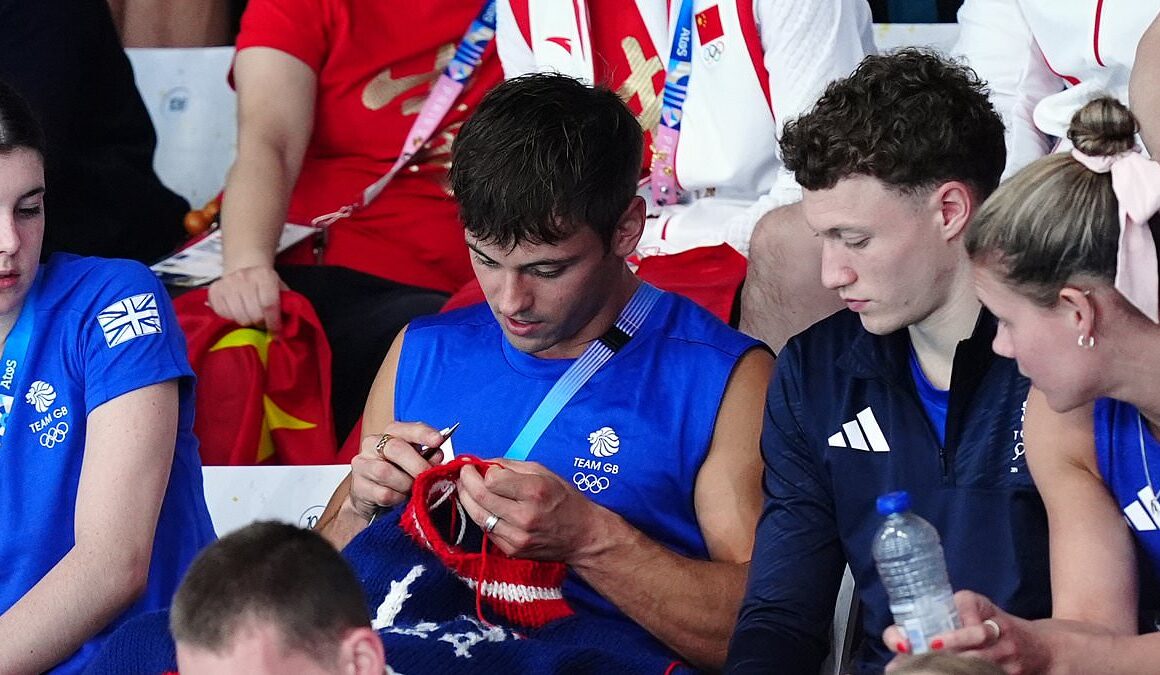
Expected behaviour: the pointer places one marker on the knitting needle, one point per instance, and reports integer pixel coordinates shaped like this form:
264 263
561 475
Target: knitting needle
426 452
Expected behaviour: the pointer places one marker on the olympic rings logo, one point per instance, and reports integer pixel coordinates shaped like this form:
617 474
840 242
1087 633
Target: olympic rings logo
713 51
587 482
54 435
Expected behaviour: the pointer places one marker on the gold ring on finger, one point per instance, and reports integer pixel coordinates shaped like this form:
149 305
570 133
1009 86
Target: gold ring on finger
381 446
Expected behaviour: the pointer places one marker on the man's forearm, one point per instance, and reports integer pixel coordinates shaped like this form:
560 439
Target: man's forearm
761 648
690 605
340 522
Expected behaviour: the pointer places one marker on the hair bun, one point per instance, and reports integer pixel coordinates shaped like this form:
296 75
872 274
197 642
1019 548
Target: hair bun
1104 126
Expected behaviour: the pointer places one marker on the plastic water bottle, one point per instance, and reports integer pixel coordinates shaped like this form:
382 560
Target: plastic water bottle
913 571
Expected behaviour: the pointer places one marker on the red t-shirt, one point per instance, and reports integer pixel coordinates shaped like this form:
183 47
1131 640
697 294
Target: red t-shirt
376 61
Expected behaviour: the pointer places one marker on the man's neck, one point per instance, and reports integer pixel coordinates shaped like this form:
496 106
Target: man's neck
936 337
605 319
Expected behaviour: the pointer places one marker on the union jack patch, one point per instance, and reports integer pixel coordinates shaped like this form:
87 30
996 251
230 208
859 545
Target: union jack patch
132 317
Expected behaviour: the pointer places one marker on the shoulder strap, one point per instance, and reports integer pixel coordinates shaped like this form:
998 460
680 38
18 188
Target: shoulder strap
631 318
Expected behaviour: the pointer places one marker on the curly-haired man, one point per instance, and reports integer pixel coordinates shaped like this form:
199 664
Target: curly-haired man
900 391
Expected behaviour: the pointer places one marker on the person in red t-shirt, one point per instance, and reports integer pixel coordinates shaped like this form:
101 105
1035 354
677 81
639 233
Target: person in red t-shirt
327 91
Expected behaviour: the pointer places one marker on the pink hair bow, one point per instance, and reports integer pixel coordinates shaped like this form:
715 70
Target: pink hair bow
1136 182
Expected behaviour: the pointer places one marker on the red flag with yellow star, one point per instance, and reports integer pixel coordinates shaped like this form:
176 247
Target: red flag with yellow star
260 399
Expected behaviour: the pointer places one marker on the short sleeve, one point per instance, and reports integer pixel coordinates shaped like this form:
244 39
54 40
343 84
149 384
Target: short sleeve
298 27
130 338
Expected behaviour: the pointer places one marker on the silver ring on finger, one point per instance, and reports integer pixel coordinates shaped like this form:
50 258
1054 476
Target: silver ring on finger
993 629
490 523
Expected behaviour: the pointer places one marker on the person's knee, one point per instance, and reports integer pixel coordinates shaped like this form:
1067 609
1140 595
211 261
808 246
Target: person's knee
783 292
775 231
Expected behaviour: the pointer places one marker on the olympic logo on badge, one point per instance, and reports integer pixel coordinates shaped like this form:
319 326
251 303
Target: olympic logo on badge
54 435
587 482
713 51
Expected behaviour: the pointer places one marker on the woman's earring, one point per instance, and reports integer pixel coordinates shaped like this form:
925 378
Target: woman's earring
1087 342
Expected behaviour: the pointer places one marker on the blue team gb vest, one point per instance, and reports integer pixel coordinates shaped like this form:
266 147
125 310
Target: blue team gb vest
632 439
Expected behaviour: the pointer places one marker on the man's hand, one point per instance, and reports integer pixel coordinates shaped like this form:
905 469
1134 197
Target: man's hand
383 471
540 515
249 296
988 633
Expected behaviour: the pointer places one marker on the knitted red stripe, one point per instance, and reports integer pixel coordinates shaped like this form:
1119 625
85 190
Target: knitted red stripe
498 568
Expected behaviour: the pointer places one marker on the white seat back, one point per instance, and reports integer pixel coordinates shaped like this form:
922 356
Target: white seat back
193 110
239 495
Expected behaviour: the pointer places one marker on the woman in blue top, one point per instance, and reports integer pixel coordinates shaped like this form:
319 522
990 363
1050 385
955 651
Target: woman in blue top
1065 257
100 483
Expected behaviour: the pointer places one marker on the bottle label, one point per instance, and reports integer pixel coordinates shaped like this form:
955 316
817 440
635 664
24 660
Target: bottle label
926 617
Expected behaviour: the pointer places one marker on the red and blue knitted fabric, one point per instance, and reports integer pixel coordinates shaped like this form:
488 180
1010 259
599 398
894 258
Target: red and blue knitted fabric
423 598
421 567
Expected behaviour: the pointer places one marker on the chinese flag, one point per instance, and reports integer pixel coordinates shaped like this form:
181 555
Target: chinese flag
709 25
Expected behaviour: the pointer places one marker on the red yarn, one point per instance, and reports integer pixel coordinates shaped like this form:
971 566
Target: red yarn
479 581
522 591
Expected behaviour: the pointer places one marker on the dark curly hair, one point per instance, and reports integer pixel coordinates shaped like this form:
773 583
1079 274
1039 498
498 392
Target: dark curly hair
911 119
542 155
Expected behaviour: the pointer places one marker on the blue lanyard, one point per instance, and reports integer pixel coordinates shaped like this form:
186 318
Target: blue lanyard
15 351
469 54
680 68
582 369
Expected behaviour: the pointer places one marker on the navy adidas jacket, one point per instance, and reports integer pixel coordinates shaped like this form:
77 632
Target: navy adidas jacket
843 425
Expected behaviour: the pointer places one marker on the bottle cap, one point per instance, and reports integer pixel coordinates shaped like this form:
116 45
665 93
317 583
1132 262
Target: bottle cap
893 502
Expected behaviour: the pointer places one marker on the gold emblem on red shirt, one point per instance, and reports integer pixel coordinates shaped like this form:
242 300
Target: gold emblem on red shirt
385 88
639 83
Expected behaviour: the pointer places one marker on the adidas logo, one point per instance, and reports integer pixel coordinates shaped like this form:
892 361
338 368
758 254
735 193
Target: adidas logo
1138 514
861 433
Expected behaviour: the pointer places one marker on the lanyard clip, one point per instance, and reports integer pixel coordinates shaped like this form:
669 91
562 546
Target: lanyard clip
324 221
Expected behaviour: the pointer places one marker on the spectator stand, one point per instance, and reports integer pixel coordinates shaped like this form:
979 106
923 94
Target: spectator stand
194 112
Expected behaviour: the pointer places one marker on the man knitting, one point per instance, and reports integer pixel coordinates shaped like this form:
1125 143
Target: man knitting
628 418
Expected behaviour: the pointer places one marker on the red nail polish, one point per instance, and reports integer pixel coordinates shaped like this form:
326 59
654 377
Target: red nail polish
936 644
901 648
